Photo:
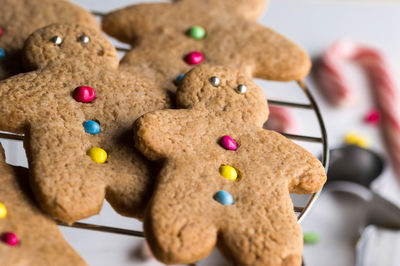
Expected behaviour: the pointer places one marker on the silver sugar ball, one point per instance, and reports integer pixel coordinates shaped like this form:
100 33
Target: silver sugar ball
83 39
241 89
57 40
215 81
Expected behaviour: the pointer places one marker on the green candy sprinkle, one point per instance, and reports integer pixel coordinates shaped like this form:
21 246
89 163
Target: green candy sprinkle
197 32
311 238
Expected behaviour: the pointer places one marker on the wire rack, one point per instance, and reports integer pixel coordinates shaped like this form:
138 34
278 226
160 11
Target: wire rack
300 211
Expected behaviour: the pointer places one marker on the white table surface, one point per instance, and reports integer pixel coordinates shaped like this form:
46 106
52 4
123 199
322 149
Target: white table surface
314 25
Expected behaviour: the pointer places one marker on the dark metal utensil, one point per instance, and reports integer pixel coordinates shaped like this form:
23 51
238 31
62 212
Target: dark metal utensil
354 164
352 169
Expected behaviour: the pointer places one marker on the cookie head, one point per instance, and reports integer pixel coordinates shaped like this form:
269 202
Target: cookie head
67 43
224 91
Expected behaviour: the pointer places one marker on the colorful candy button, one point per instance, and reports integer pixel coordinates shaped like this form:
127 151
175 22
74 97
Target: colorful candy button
84 94
311 238
228 143
3 210
194 58
98 155
197 32
228 172
91 127
358 140
179 79
10 238
223 197
373 117
2 54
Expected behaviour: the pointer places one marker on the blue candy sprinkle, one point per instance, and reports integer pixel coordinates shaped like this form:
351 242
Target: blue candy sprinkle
179 78
2 54
91 127
223 197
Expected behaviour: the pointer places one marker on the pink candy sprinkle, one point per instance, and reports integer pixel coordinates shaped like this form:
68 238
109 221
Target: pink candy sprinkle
228 143
194 58
1 31
373 117
10 238
84 94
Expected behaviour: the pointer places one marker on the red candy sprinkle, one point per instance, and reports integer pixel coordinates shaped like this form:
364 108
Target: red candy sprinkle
10 238
228 143
84 94
1 31
194 58
373 117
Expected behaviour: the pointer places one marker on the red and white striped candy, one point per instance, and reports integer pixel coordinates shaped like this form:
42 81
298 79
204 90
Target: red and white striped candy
281 120
386 90
332 82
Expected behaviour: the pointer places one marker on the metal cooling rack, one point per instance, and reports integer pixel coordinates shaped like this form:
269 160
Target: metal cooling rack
301 211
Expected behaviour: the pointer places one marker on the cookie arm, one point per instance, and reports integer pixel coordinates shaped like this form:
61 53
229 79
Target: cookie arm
157 133
250 9
15 102
275 57
128 23
304 171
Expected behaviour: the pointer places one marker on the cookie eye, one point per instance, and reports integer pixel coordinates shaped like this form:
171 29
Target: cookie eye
83 39
215 81
241 89
57 40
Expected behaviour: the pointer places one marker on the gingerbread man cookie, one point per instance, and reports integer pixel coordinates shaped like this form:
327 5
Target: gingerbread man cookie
76 110
225 180
28 236
19 18
170 38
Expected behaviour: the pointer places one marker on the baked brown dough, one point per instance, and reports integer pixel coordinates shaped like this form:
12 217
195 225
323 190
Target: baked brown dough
158 33
19 18
40 243
186 218
43 105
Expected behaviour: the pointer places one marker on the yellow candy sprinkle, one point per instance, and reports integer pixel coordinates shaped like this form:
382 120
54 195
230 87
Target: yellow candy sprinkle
228 172
358 140
3 210
98 155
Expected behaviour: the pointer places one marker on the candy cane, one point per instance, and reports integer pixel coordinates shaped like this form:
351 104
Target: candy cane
329 77
387 98
383 82
281 120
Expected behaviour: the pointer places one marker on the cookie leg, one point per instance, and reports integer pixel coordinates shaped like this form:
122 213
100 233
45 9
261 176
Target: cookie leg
176 226
66 182
180 239
131 180
268 237
294 259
